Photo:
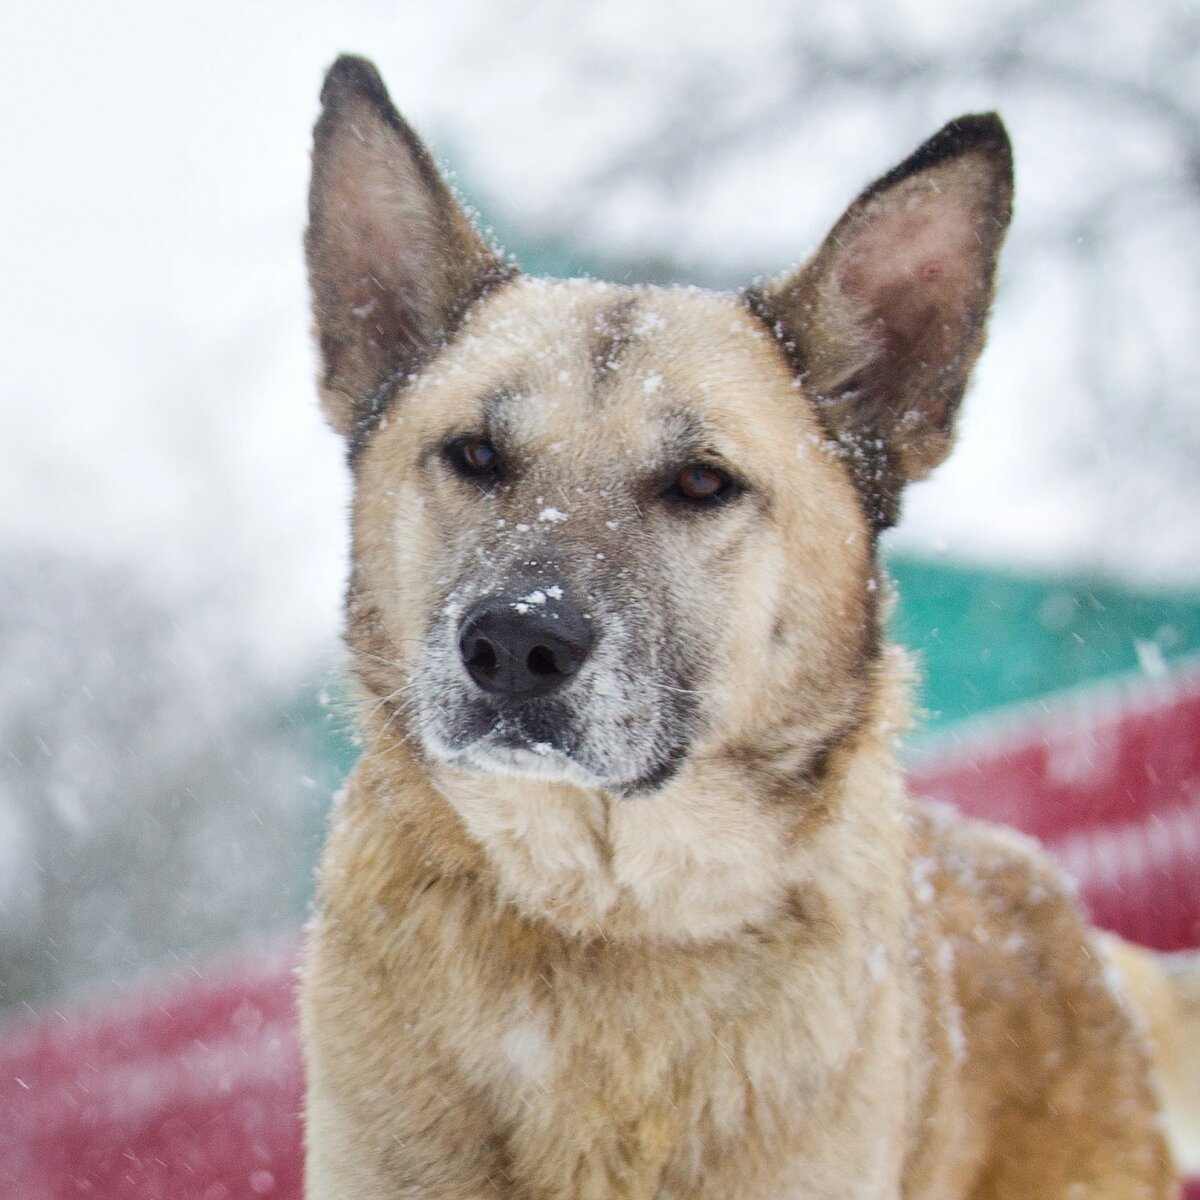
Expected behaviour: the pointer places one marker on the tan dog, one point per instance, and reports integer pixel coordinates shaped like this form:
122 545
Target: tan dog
626 898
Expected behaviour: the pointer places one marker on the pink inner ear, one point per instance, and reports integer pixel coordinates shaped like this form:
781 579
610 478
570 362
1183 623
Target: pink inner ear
915 267
375 232
380 236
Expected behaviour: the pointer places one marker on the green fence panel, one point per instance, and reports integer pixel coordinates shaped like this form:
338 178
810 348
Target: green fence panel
987 638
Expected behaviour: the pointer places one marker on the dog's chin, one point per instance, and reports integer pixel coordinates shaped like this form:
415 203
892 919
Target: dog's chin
537 760
504 755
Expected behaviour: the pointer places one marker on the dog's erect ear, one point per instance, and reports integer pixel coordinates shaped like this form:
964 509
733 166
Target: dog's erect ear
393 260
886 320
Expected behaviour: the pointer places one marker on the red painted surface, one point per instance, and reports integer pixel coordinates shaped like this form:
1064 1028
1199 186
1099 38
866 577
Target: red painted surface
190 1089
1109 780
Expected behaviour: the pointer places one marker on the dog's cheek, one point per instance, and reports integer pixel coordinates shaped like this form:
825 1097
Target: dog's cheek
396 563
414 555
830 639
718 610
754 622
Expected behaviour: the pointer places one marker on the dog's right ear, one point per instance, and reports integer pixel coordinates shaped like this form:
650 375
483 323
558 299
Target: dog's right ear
393 260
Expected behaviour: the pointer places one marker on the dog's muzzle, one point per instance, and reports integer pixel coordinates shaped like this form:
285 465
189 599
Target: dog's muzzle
516 650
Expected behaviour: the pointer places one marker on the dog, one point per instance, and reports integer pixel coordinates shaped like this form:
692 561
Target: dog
625 898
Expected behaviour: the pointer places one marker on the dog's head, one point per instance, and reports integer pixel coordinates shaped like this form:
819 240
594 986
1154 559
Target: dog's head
602 533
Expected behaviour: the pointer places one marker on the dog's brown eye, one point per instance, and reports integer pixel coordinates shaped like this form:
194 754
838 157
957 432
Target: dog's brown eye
479 455
700 484
474 457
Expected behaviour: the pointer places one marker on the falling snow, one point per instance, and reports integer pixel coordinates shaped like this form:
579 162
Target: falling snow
173 507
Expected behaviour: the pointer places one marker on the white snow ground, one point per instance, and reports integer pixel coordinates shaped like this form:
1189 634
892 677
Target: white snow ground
157 415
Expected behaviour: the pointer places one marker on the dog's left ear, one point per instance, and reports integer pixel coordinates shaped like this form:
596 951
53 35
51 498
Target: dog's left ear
884 323
393 260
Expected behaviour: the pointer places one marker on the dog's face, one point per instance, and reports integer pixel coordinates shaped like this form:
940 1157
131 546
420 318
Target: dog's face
600 531
604 532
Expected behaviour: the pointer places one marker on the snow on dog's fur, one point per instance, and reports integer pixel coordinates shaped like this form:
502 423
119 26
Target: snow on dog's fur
626 898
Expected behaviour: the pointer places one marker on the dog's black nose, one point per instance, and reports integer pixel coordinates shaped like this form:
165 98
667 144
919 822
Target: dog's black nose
521 648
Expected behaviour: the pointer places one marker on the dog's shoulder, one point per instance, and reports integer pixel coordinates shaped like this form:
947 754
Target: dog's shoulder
1039 1023
1004 917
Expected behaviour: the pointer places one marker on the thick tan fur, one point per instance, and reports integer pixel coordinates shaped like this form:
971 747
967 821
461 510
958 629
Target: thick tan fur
767 973
1164 992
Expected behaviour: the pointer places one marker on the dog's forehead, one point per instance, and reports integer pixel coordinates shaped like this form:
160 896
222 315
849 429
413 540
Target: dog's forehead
550 357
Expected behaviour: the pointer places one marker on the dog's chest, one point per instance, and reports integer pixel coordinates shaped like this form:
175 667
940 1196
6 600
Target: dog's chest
618 1104
526 1050
648 1078
695 870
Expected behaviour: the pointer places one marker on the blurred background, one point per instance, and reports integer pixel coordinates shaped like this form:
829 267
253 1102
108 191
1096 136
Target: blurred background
173 512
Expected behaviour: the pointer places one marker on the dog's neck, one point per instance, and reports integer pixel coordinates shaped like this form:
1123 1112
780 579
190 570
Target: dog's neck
723 848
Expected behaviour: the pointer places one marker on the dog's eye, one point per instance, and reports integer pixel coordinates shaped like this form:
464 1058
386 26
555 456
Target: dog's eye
701 485
474 457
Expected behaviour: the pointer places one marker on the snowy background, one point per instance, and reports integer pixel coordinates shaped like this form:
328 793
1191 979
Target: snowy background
172 510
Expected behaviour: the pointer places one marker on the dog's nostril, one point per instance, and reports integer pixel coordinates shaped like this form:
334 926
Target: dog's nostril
541 661
482 656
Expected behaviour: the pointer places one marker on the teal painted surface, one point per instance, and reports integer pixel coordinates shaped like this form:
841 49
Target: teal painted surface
323 723
988 638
